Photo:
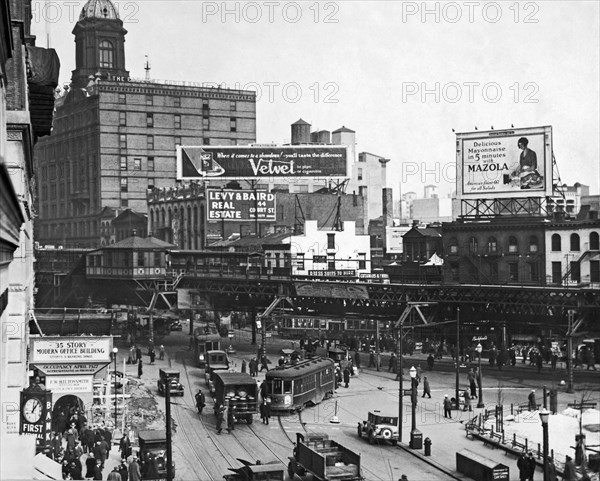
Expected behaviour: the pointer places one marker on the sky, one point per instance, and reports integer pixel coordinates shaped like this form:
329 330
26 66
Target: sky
403 75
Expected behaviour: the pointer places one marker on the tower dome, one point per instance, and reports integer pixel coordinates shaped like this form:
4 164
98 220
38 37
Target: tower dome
99 9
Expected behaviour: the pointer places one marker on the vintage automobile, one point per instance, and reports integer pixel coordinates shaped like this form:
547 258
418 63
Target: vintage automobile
170 376
152 454
379 427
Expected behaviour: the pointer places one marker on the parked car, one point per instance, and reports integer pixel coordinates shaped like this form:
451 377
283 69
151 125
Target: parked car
170 376
379 427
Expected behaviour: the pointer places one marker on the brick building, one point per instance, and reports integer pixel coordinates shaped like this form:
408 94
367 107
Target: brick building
114 137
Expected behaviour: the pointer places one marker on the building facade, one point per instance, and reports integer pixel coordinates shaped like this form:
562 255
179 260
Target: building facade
28 76
114 137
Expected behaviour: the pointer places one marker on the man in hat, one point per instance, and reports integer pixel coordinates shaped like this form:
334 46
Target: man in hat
97 470
522 465
531 399
122 468
530 466
447 407
569 471
134 470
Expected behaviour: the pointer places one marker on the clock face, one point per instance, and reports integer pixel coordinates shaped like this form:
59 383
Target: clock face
32 411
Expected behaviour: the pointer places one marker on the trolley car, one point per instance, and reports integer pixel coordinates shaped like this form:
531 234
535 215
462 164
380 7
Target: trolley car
306 383
206 338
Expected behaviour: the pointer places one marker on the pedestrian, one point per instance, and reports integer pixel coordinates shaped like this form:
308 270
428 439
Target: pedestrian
522 465
531 399
554 361
230 419
75 469
220 411
419 372
134 470
140 370
372 358
589 359
265 412
346 376
138 353
392 363
152 355
90 464
281 361
200 401
56 446
123 471
426 388
472 383
430 361
467 401
530 466
114 475
264 363
403 478
244 366
191 344
551 471
539 362
447 407
357 359
125 446
161 352
97 471
569 473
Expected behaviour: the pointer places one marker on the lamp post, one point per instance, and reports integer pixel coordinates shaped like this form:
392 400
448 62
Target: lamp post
457 381
544 415
416 437
115 351
480 404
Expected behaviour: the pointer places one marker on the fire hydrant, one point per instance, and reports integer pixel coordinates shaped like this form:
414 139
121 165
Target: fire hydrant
427 444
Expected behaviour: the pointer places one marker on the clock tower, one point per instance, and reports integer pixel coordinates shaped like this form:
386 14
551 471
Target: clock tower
36 414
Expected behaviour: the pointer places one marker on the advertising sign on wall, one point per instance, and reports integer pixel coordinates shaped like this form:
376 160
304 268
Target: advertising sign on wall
191 299
273 162
504 163
70 349
238 205
70 384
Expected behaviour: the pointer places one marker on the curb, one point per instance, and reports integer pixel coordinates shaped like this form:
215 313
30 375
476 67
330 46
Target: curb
431 462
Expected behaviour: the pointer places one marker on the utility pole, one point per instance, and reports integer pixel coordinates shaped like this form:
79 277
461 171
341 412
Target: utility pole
168 430
570 315
457 354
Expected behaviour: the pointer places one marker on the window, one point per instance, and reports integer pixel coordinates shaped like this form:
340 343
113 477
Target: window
137 164
513 271
513 245
574 242
534 271
122 99
149 120
330 241
151 164
492 246
556 243
319 259
123 141
533 245
106 54
206 123
453 246
177 140
206 141
205 104
123 162
331 262
232 124
301 189
124 203
149 99
124 184
556 272
362 260
575 271
176 101
594 271
594 241
233 105
150 142
300 261
177 121
360 174
473 245
140 259
122 118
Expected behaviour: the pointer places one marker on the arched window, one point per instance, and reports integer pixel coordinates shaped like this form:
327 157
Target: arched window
594 241
533 244
473 245
556 243
574 242
106 54
513 245
492 245
453 246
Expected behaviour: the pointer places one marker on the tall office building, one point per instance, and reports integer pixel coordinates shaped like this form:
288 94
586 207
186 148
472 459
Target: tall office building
115 137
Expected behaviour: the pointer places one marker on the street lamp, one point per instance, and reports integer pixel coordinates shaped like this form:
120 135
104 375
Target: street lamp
544 415
115 351
416 437
480 404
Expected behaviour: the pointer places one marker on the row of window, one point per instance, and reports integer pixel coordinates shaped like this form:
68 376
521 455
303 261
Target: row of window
177 121
122 98
150 141
513 244
137 163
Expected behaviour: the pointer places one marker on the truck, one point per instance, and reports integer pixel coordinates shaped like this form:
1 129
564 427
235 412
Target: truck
170 376
238 390
216 360
153 454
271 471
319 458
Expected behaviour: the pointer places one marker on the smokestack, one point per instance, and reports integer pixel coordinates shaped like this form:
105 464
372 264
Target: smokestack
388 213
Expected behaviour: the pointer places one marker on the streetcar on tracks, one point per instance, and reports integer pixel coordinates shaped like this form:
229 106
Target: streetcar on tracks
291 387
206 338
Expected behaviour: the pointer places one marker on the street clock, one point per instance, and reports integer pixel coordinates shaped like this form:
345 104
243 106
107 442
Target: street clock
36 414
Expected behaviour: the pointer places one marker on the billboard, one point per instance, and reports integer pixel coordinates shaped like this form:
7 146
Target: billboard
60 350
504 163
272 162
239 205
